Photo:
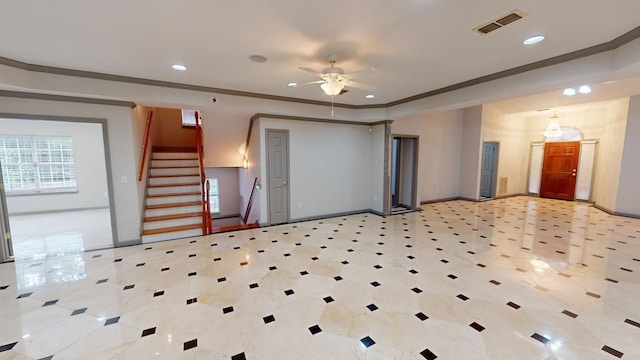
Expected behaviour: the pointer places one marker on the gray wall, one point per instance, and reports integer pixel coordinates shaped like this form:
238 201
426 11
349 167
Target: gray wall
228 189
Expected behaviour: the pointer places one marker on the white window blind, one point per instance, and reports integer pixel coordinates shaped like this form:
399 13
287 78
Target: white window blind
32 164
214 199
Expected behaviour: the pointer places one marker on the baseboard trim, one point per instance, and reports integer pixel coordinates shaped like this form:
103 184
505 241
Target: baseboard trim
41 212
221 217
332 215
440 200
616 213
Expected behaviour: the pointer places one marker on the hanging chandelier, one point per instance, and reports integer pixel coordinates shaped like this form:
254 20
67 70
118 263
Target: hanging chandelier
554 129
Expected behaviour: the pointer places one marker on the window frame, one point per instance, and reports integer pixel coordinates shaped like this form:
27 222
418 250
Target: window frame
212 195
59 161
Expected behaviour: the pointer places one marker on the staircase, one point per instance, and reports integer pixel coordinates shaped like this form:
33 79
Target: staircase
174 199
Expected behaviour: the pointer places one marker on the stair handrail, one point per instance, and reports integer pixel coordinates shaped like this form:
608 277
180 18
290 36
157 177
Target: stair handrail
205 198
145 145
250 202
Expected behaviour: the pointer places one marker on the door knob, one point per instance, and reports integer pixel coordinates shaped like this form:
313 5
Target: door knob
284 182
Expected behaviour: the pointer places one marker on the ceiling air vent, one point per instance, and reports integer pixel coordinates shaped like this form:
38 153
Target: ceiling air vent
504 20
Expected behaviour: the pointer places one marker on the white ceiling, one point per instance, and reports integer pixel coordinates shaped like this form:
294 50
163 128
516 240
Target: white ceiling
417 45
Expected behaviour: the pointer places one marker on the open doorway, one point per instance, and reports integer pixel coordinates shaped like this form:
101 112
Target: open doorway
404 173
489 173
55 198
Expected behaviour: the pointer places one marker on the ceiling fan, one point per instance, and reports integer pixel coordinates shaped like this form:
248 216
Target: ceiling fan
334 79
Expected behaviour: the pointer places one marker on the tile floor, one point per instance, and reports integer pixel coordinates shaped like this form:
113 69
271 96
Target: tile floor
517 278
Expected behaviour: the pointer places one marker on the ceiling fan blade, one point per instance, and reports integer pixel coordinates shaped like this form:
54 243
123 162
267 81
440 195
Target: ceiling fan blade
372 68
310 70
313 82
358 85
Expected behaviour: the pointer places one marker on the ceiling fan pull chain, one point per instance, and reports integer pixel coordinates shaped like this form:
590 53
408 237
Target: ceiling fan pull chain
331 105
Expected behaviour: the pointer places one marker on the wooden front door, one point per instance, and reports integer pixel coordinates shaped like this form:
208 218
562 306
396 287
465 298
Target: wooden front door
559 170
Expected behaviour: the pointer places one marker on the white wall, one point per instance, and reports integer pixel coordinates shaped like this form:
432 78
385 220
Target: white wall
329 167
228 190
140 116
509 132
88 149
376 168
121 150
247 177
628 197
471 153
440 148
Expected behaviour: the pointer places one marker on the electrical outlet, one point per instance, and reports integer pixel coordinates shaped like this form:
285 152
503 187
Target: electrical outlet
123 179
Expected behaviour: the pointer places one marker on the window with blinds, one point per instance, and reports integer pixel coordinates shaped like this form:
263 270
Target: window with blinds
214 199
34 164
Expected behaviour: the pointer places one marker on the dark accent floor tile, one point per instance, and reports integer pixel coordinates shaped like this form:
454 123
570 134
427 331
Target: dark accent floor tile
462 297
477 326
271 268
190 344
158 293
495 282
253 286
192 301
50 302
416 290
314 258
427 354
569 314
315 329
375 284
413 271
164 269
97 256
445 261
481 265
193 273
287 255
367 341
117 260
7 347
411 257
612 351
217 259
328 299
47 357
129 287
25 295
78 311
169 252
631 322
222 279
227 310
597 296
378 267
612 280
422 316
337 278
4 287
238 357
149 331
268 319
113 320
540 338
451 276
102 281
140 264
513 305
289 292
345 262
303 273
372 307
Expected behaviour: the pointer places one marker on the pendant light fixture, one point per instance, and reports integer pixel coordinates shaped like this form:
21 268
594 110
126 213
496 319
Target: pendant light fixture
554 129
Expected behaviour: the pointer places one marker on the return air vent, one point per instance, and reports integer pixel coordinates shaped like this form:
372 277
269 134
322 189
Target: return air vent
502 21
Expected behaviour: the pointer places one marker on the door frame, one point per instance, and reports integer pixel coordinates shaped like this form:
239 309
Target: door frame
496 162
268 175
414 165
6 251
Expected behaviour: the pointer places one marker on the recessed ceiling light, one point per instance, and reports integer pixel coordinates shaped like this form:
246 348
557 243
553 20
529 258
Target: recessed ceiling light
584 89
179 67
292 84
370 96
569 92
533 39
257 58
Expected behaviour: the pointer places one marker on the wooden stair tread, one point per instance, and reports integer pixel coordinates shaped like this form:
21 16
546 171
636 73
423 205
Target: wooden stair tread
174 194
172 217
170 185
175 159
172 229
234 227
172 205
173 176
169 149
175 167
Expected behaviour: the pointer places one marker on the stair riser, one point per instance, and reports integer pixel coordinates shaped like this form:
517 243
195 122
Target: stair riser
173 155
174 180
172 211
150 225
174 189
171 235
170 163
173 199
174 171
